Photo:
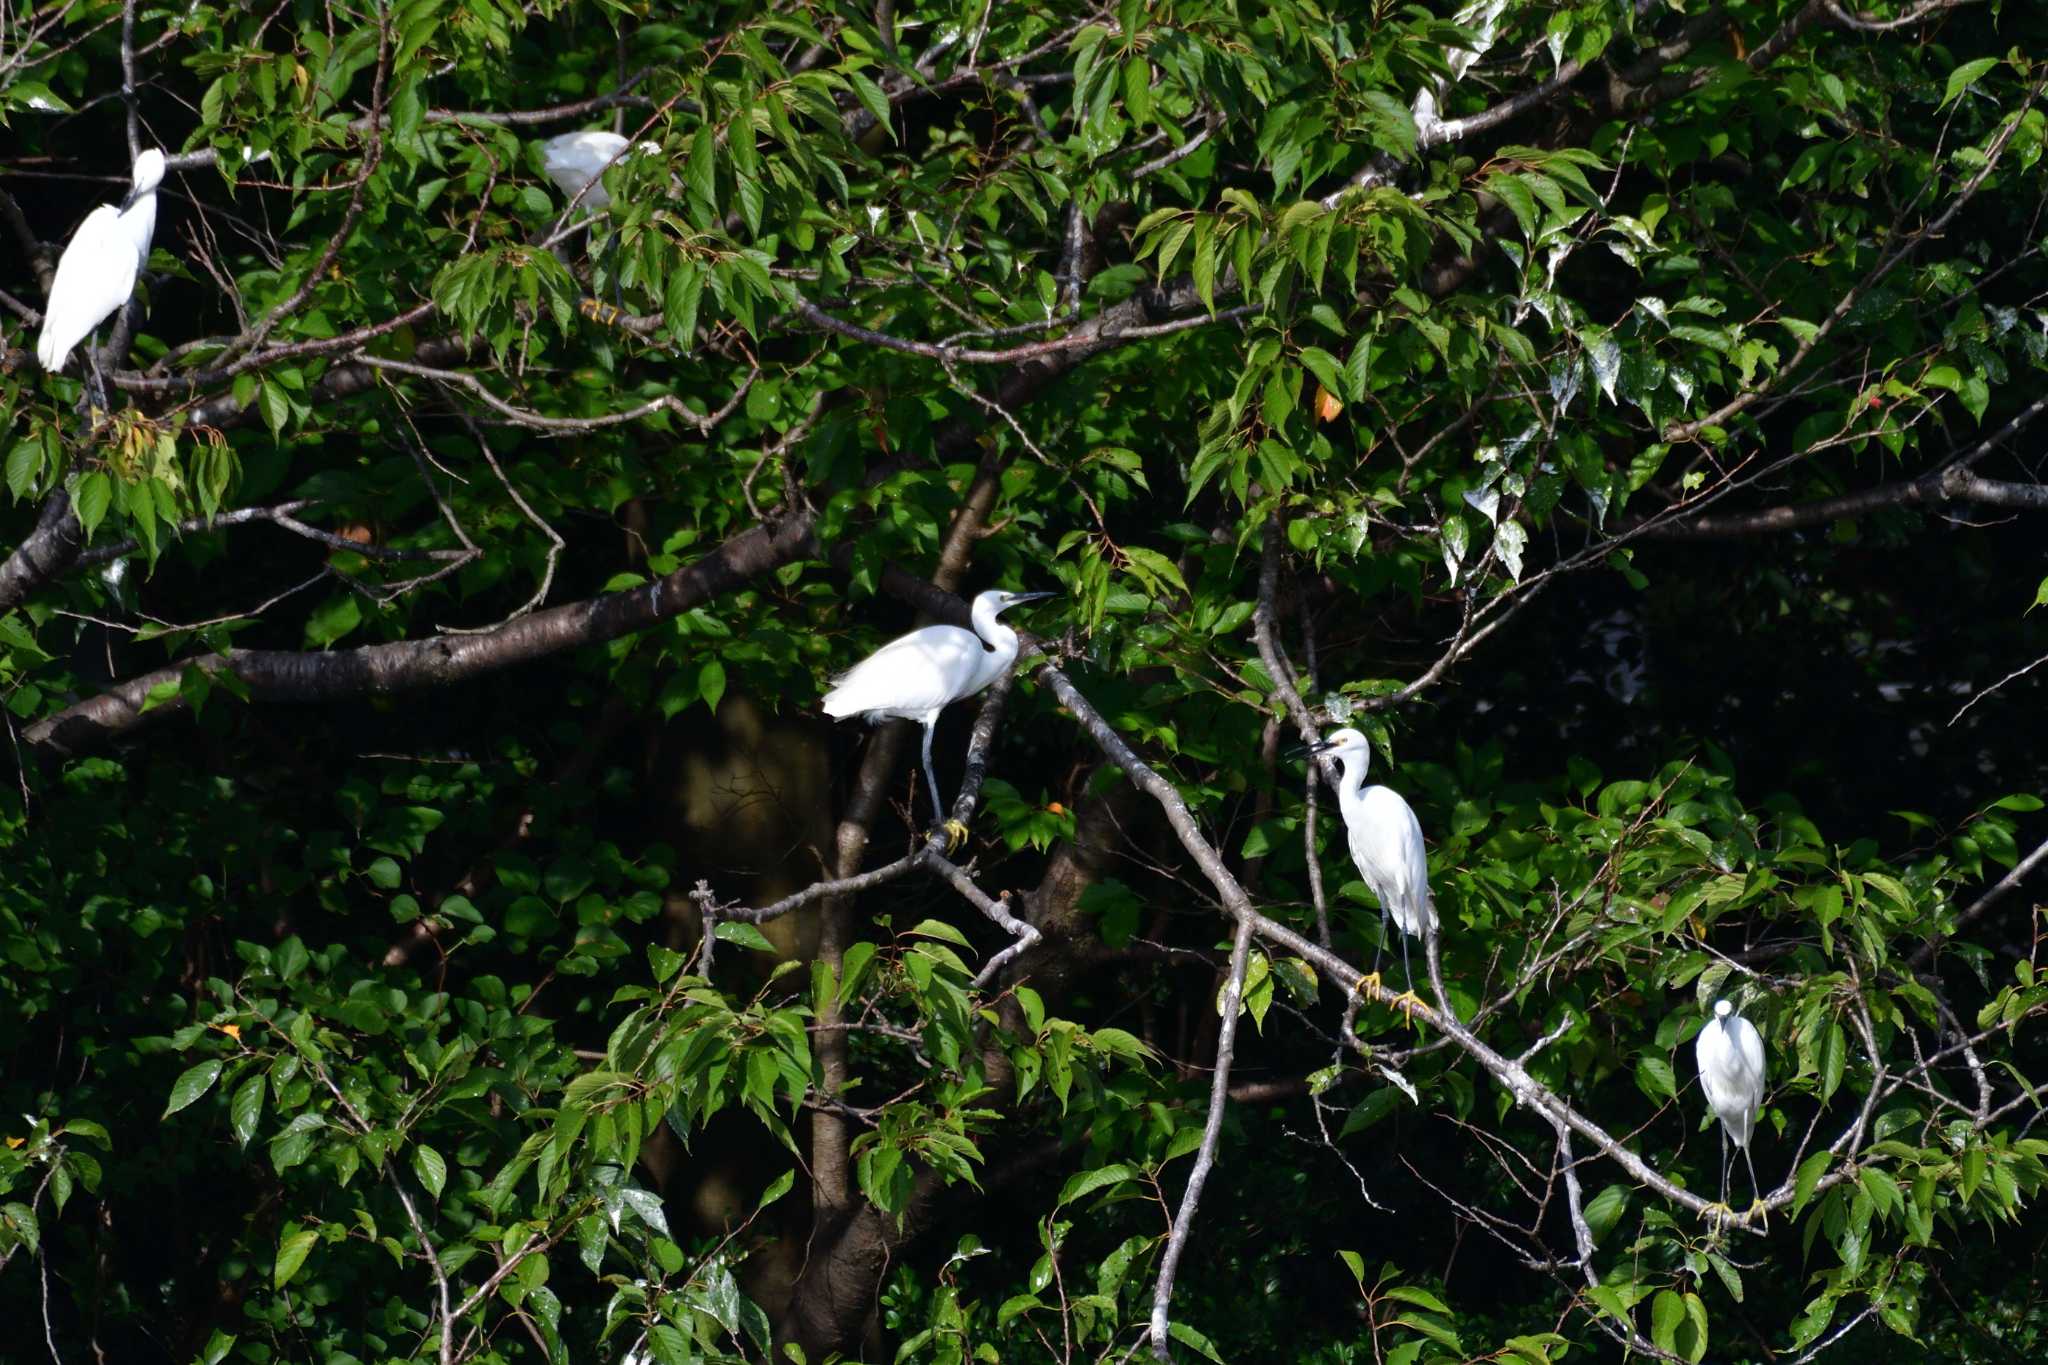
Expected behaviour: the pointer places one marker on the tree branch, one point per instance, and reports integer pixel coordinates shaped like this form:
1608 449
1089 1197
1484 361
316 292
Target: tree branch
1212 1132
384 669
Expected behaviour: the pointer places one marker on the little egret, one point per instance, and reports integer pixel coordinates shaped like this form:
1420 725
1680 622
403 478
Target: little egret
97 271
1730 1053
573 160
918 675
1386 844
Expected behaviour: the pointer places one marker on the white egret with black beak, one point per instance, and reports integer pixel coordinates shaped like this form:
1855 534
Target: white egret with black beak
1730 1053
97 272
916 676
1386 845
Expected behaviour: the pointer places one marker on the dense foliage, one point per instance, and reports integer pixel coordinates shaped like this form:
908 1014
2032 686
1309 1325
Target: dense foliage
425 895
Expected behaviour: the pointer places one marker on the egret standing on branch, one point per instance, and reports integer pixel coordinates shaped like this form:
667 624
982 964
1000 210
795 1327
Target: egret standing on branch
96 274
1730 1053
1386 844
918 675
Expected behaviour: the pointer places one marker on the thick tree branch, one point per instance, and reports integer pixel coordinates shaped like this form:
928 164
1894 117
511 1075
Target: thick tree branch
384 669
46 553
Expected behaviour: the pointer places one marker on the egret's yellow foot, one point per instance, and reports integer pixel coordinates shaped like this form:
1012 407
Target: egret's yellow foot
956 834
1761 1212
1369 985
600 312
1407 1002
1718 1216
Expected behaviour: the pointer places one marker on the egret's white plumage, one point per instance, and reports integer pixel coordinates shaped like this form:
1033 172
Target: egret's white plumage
1385 837
1730 1054
96 274
916 676
573 160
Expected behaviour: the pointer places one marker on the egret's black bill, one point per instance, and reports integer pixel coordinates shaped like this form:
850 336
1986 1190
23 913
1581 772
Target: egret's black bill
1024 597
1304 750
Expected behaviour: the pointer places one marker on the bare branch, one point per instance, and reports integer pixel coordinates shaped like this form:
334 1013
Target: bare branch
1212 1133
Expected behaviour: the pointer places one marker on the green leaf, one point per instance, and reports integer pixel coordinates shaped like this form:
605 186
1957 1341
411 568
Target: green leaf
1963 77
246 1108
291 1254
711 684
1655 1078
1087 1182
24 468
1810 1172
333 619
1188 1336
778 1187
743 934
431 1169
94 495
187 1089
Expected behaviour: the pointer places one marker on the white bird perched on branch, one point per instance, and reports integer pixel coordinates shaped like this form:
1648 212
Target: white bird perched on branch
1730 1053
573 160
916 676
96 274
1386 844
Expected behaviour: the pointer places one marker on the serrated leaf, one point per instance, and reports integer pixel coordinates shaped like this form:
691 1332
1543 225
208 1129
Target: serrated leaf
246 1108
187 1089
1087 1182
90 502
431 1168
743 934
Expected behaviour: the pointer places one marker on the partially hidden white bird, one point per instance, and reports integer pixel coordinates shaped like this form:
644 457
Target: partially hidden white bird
1386 844
573 160
1730 1053
96 274
916 676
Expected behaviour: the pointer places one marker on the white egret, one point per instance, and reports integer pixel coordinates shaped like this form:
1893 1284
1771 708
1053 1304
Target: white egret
918 675
96 274
573 160
1730 1053
1386 844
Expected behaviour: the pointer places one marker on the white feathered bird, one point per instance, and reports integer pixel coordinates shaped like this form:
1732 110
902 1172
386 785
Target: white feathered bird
96 274
1730 1053
573 160
1386 841
916 676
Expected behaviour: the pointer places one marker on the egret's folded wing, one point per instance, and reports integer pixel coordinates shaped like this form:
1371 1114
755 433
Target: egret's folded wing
1751 1044
95 275
914 674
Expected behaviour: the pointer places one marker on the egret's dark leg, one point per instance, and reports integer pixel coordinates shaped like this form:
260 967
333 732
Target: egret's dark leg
1407 972
1386 925
95 380
931 778
1756 1191
1724 1165
611 251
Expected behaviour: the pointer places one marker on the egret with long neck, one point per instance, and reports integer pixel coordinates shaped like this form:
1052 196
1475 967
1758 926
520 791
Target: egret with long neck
97 272
1730 1053
916 676
1386 844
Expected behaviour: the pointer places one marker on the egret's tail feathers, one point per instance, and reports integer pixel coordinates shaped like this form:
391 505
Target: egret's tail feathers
51 352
